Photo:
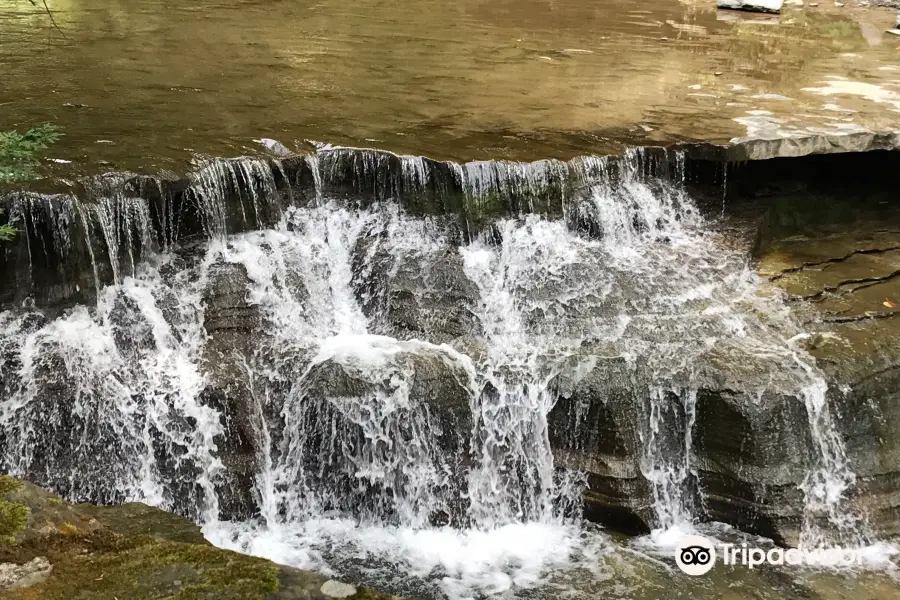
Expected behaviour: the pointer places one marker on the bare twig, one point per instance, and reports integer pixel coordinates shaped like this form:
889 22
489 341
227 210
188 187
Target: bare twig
49 14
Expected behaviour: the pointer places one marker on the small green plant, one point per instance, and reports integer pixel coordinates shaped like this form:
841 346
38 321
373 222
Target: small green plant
19 151
18 158
7 232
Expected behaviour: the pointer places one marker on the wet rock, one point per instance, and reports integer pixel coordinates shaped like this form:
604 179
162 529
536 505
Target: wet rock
420 295
237 194
132 332
274 146
863 365
595 427
838 268
769 6
228 314
365 173
49 261
750 444
779 144
371 410
753 450
868 415
72 433
232 324
422 186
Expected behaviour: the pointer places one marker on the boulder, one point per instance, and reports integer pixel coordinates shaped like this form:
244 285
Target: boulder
61 551
376 426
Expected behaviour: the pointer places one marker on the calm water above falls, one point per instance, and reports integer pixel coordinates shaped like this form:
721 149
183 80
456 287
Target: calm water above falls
142 84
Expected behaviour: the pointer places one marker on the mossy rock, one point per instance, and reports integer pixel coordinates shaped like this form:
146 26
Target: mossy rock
13 515
136 552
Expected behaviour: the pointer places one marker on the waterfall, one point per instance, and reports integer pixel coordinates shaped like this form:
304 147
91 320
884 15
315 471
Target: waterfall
103 405
668 467
514 281
250 180
367 424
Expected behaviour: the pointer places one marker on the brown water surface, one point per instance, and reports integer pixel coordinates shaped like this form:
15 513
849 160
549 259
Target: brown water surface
146 83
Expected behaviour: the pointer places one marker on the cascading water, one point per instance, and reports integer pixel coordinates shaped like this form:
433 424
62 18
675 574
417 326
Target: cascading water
827 483
383 426
668 468
250 180
103 405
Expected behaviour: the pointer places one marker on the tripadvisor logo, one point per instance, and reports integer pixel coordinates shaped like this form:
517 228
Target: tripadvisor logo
696 555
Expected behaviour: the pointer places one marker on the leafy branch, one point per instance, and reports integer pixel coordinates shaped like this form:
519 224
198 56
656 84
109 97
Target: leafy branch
18 158
7 232
18 151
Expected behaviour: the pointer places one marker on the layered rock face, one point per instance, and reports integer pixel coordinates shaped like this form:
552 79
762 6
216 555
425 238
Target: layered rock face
759 441
839 269
453 362
721 446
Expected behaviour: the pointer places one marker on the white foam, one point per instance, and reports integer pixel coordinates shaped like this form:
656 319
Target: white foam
469 562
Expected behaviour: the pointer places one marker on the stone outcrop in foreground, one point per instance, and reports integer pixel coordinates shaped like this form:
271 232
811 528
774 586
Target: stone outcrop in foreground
53 550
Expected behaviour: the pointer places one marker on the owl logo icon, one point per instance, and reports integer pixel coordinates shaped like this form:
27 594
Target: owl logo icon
695 555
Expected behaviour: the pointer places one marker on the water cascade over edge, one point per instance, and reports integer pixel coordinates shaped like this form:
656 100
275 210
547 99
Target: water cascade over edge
368 441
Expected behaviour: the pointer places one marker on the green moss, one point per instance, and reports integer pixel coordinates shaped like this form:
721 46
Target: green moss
93 561
479 210
13 516
67 529
107 567
9 485
18 151
421 203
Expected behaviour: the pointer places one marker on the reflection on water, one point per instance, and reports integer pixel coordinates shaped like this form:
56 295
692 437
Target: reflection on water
462 79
